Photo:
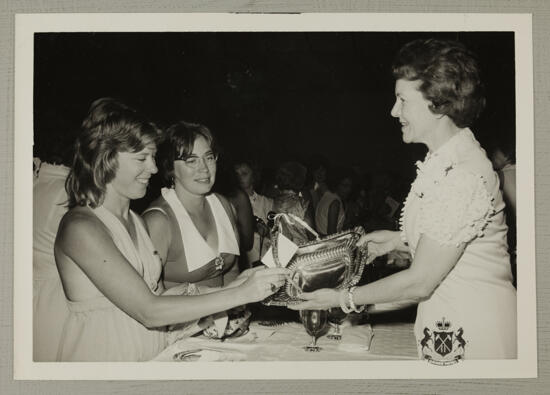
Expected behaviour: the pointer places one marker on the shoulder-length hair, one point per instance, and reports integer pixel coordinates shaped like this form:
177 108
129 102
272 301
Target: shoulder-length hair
178 143
449 75
109 128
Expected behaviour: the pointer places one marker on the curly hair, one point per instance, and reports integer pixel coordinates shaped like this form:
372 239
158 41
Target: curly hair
178 142
449 75
109 128
291 175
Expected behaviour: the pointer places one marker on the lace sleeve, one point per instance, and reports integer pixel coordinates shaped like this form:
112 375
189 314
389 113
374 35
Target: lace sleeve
456 209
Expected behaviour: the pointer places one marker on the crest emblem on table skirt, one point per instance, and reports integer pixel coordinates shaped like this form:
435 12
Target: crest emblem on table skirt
442 345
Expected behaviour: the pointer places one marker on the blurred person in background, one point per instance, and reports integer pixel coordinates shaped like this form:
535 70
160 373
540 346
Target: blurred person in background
227 185
331 210
261 206
290 180
503 157
50 202
317 173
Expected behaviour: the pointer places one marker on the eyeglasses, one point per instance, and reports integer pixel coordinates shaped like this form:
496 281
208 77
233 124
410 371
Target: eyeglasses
194 162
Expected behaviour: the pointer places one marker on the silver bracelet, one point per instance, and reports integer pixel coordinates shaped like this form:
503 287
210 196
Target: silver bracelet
343 306
352 305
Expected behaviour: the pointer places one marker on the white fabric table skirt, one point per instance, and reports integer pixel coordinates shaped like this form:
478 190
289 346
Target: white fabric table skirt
393 341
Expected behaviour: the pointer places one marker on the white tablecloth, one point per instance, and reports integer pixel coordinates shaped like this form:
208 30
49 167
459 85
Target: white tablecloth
285 343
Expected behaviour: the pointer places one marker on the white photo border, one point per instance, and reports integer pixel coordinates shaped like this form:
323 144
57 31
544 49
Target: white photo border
525 366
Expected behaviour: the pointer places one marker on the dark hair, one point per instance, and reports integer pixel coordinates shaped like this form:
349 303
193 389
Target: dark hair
178 142
109 128
317 161
244 162
506 146
254 167
336 175
291 175
227 182
57 146
449 75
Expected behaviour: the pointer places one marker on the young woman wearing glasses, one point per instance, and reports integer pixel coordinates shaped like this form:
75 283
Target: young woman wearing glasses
193 230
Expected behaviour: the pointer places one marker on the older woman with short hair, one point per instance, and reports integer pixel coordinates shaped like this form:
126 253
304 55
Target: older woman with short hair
452 222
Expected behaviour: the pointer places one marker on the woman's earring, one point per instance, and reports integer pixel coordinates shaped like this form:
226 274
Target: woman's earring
172 182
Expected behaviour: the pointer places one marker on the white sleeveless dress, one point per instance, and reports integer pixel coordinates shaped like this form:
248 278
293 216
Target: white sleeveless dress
456 199
49 306
97 330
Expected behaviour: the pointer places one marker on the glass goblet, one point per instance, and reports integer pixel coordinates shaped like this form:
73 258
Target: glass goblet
335 318
315 322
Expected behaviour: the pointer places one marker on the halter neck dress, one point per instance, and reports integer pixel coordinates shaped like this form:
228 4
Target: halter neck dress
200 258
96 329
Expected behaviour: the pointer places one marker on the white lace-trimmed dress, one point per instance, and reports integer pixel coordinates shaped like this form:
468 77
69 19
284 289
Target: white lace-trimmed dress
96 329
456 199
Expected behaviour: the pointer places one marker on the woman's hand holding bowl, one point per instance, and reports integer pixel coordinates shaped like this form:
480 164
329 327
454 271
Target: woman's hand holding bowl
260 282
380 242
320 299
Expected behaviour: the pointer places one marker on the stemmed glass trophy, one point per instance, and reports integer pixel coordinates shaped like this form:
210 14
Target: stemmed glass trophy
335 318
315 322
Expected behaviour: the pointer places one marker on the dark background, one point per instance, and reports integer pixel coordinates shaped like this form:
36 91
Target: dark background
269 96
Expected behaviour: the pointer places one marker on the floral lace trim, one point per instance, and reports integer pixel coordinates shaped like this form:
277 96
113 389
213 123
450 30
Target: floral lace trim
424 181
456 206
402 233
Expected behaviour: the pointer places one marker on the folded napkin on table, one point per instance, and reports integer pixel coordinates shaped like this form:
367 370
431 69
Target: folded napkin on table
205 350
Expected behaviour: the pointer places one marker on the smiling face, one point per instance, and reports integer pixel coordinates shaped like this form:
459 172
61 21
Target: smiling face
133 173
199 179
412 109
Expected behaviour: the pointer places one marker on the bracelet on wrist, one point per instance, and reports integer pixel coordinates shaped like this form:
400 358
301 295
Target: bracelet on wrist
352 305
343 298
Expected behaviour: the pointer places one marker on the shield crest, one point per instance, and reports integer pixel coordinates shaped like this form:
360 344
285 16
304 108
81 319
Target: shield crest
443 342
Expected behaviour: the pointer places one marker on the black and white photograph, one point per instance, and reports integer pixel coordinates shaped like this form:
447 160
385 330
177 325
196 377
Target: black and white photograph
276 192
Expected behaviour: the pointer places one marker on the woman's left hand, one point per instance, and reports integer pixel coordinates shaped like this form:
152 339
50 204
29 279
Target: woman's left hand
321 299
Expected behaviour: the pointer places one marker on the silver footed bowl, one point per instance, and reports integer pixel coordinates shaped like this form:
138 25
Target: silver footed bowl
331 262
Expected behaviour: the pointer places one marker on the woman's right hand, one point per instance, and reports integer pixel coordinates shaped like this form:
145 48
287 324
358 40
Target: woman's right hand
243 276
262 282
380 242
